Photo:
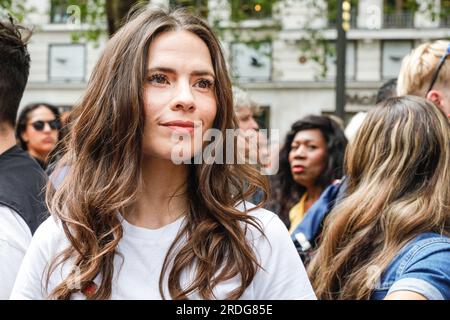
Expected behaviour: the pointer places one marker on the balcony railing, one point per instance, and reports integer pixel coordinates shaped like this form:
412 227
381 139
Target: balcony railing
404 19
445 21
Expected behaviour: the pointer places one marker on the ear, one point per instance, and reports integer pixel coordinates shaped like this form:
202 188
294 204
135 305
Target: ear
436 97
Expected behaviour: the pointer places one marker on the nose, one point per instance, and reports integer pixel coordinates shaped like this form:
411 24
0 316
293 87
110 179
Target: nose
300 152
47 127
253 124
184 99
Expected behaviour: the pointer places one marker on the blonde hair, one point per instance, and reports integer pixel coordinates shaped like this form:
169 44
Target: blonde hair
398 173
418 67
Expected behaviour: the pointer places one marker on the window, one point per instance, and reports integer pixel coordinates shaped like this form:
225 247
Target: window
59 10
399 13
262 116
393 54
67 62
198 7
444 15
251 9
252 61
350 62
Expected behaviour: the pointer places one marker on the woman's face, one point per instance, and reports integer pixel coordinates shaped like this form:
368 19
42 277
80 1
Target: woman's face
41 132
307 157
179 95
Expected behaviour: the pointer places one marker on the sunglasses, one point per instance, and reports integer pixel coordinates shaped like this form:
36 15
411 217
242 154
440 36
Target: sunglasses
40 125
439 67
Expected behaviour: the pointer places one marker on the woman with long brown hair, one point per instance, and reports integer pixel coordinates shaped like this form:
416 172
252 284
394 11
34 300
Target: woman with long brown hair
128 221
389 237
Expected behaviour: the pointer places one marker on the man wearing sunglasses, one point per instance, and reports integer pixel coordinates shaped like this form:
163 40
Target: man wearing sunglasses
425 72
22 206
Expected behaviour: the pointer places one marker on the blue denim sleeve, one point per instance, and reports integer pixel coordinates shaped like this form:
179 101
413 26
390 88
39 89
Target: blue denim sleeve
426 270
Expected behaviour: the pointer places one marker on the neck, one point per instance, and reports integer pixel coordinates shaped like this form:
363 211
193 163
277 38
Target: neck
7 138
162 198
313 192
40 156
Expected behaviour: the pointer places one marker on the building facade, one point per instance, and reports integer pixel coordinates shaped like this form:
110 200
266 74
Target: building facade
266 50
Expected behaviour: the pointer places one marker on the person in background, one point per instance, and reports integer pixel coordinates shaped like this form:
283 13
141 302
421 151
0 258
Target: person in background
389 237
22 206
249 135
38 131
425 72
310 160
244 107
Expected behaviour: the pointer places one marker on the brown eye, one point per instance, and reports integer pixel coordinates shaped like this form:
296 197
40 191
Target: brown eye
204 84
159 79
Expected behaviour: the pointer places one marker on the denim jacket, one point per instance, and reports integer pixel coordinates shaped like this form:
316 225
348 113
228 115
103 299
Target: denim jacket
306 233
422 266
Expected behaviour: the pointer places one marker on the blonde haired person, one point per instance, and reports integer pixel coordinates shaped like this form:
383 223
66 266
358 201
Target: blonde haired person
389 237
130 223
425 72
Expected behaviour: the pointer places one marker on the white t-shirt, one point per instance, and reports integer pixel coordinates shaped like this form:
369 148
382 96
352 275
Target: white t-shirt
15 236
136 276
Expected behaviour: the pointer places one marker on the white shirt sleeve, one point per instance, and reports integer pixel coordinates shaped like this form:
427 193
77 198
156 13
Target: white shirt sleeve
30 281
283 275
15 236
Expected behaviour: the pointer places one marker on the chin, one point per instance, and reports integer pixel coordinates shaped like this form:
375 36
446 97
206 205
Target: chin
299 181
177 153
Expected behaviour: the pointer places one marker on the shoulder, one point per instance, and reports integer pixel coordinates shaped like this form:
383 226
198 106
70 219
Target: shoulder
424 265
15 237
48 241
50 228
16 158
270 233
49 237
268 221
13 229
426 246
282 274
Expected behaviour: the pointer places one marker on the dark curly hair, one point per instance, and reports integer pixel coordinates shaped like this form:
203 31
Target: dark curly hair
285 191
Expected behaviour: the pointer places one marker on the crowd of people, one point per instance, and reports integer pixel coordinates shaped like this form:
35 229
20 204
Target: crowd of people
96 208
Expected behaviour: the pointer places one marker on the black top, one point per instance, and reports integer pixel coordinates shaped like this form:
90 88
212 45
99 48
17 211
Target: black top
40 162
22 183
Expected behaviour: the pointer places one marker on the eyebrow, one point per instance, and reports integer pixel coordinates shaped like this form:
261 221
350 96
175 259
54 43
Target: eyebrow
193 73
302 141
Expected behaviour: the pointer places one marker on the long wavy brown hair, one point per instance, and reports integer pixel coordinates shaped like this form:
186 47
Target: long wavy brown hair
104 156
398 187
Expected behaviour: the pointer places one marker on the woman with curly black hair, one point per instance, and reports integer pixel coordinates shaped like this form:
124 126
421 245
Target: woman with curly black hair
310 160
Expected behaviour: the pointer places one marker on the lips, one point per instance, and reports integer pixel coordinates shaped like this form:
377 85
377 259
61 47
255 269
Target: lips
180 125
298 169
48 140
